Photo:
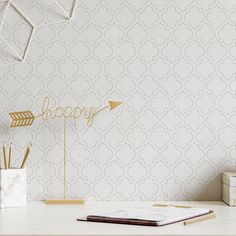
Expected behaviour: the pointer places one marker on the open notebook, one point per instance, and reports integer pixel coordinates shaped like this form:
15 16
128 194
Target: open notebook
149 216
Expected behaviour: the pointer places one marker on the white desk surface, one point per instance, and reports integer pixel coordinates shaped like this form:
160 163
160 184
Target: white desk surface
40 219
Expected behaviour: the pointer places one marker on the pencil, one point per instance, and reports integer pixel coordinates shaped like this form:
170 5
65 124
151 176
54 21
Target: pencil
26 156
10 156
5 156
200 218
164 205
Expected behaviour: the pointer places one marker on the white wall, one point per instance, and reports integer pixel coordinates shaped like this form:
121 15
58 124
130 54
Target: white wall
172 63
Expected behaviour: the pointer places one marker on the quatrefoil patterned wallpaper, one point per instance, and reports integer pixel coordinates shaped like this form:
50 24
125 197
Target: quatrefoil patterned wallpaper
172 63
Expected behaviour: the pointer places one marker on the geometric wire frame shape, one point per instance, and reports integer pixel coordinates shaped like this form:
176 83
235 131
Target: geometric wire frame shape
66 15
11 3
63 10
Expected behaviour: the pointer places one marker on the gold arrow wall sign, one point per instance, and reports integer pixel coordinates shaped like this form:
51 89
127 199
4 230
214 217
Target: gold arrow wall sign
26 118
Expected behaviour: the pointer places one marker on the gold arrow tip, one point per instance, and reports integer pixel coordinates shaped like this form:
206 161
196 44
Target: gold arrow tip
114 104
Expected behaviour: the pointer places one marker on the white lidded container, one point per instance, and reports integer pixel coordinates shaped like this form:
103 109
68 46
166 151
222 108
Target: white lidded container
12 187
229 188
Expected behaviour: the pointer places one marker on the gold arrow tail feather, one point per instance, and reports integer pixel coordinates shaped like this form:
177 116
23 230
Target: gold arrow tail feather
22 118
114 104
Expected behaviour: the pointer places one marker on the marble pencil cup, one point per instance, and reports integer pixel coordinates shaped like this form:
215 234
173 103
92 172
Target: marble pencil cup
12 188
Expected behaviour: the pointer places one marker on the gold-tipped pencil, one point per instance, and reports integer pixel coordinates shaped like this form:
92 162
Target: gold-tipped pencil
165 205
200 218
26 156
5 156
10 156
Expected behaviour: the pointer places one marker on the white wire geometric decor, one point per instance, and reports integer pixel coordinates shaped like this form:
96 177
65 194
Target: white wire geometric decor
67 15
12 4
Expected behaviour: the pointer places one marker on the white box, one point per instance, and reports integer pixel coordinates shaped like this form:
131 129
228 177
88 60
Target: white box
229 188
12 187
